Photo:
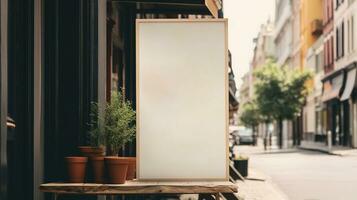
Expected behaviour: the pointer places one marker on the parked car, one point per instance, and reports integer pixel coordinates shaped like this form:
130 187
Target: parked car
233 133
246 136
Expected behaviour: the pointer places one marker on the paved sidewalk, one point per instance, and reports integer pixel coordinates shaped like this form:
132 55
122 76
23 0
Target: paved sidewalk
259 186
335 150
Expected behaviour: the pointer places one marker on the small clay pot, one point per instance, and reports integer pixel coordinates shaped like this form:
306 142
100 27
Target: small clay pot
76 167
85 150
117 169
98 168
98 151
130 175
89 151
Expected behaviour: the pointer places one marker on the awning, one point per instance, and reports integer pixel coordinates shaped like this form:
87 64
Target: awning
203 7
350 84
332 89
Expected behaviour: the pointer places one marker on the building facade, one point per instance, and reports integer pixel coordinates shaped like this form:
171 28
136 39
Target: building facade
233 101
339 79
313 115
283 31
295 126
319 36
283 38
311 13
264 49
329 65
296 45
345 65
264 45
311 28
244 90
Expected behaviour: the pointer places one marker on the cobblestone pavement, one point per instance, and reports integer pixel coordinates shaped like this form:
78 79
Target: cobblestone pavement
304 175
258 186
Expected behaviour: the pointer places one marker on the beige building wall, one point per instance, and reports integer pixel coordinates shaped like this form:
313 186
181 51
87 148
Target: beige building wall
284 53
264 49
296 45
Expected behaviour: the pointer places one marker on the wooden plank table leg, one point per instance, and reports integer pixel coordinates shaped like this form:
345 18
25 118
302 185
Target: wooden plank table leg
216 196
206 196
55 196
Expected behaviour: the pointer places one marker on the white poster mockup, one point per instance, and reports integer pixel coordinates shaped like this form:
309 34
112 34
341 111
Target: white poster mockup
182 99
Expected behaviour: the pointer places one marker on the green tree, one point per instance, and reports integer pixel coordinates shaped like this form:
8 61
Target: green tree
280 93
250 116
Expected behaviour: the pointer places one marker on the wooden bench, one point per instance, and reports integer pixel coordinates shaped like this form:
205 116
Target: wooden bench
140 188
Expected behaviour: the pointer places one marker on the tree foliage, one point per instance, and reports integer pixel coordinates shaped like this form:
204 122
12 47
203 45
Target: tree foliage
250 116
280 93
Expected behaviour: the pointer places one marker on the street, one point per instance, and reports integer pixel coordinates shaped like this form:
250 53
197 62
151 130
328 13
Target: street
306 175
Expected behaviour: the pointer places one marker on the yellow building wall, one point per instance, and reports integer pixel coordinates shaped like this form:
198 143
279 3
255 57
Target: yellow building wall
309 11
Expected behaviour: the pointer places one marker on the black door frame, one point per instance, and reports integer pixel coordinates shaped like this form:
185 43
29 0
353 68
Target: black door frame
345 123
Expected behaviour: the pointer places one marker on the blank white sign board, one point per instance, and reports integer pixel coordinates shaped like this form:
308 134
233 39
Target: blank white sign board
182 99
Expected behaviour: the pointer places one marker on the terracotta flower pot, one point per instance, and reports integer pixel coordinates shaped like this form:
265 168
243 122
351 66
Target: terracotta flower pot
98 151
76 167
117 169
130 175
98 168
85 150
89 151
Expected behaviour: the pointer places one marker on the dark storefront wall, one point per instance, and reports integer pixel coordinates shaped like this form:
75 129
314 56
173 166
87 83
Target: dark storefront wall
353 115
338 122
70 79
335 115
345 124
68 35
339 111
18 63
338 115
74 76
20 99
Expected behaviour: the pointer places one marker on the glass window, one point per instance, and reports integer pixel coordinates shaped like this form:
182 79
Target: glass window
319 62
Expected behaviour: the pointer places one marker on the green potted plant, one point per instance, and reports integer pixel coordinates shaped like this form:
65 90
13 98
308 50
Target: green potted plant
96 141
77 165
241 164
119 128
96 134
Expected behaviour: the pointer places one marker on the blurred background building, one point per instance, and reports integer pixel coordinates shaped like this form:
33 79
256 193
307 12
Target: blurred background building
319 36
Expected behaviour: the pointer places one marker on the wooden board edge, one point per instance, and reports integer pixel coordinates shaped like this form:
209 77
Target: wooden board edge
180 20
137 67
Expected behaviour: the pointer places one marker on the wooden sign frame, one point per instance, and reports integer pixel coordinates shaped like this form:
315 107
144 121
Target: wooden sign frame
226 98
